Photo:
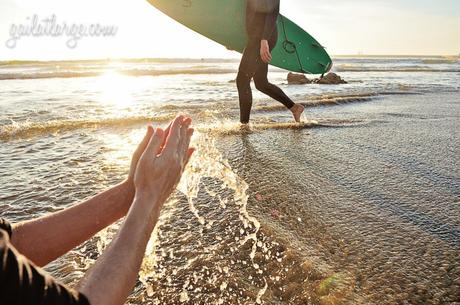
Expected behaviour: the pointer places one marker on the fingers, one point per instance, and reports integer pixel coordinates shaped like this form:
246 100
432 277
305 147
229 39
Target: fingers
184 134
184 128
153 147
187 122
186 143
143 144
266 56
190 152
179 138
172 141
167 130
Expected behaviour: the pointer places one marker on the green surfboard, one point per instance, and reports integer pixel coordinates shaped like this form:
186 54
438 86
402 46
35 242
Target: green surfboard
224 22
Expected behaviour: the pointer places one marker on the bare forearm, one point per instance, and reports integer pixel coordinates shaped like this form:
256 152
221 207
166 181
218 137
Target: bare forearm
117 269
159 169
44 239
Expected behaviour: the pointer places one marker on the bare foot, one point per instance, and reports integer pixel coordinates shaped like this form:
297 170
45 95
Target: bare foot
244 127
297 111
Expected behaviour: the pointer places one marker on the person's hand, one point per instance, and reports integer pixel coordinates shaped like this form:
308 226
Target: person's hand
138 153
265 51
161 165
140 150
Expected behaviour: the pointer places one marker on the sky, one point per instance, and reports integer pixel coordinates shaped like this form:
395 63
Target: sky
344 27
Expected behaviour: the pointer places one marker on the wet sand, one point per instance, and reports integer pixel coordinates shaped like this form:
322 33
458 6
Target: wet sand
359 207
371 208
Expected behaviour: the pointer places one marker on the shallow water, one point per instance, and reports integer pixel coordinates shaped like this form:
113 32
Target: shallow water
357 205
377 204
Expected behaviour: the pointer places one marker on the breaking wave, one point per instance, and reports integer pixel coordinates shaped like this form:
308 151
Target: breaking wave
16 130
132 72
222 112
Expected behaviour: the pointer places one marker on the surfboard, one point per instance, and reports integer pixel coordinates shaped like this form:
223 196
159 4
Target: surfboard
224 22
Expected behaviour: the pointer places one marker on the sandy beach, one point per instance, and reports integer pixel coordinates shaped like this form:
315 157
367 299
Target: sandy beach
241 152
356 205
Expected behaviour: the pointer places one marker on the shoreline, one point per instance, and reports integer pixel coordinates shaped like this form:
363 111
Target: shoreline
209 59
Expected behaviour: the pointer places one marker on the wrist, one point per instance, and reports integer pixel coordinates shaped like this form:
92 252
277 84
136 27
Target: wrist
128 192
146 206
128 186
145 199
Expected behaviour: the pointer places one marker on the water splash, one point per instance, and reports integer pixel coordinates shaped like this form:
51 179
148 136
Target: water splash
207 163
210 163
207 248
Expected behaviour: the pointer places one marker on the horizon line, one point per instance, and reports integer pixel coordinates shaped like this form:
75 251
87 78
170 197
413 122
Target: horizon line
457 56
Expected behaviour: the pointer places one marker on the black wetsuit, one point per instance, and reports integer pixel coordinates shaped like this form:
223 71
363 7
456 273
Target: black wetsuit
22 283
260 25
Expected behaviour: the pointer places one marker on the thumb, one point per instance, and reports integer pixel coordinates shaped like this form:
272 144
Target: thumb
145 140
153 148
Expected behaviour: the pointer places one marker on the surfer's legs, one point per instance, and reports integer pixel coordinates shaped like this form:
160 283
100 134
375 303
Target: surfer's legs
246 71
252 66
264 86
243 82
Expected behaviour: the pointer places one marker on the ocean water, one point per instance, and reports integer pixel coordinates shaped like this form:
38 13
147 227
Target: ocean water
358 204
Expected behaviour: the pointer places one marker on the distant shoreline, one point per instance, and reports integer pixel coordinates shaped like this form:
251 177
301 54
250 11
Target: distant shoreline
176 60
396 56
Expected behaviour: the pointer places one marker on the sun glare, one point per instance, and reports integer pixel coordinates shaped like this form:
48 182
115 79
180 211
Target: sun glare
115 89
119 147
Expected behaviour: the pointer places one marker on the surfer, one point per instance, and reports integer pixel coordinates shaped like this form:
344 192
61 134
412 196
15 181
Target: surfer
156 168
262 35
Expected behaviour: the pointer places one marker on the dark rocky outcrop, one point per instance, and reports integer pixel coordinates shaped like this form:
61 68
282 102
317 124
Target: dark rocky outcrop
328 79
331 79
297 79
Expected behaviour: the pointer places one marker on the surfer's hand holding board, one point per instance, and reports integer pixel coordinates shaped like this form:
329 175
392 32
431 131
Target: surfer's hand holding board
265 51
